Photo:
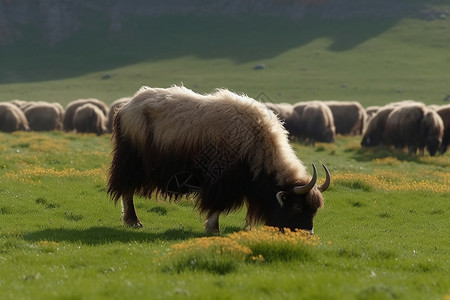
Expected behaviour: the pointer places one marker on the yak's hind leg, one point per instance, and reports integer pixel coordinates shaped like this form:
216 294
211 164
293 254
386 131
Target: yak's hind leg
129 215
212 223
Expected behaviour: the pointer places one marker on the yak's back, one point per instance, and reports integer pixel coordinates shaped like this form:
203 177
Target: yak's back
183 122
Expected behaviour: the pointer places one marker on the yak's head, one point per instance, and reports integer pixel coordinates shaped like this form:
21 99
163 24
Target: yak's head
298 206
433 144
328 136
371 140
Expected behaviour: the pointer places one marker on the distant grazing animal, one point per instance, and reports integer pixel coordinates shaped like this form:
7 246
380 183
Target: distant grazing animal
12 118
314 121
115 105
413 125
226 149
349 117
431 132
403 126
43 116
444 113
88 118
373 135
72 106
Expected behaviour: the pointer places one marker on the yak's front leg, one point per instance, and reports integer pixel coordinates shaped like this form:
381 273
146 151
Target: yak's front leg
212 223
129 213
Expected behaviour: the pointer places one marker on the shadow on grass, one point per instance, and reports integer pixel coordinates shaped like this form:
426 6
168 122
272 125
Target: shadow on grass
241 39
369 154
105 235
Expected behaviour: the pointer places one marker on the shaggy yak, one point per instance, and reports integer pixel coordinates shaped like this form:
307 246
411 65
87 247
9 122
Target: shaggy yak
349 117
444 113
403 126
68 122
226 149
431 132
373 135
88 118
12 118
43 116
313 122
414 126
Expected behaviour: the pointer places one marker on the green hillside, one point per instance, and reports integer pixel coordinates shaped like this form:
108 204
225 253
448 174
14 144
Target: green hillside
373 61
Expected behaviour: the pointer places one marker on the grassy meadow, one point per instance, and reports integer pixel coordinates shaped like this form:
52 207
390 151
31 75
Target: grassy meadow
384 232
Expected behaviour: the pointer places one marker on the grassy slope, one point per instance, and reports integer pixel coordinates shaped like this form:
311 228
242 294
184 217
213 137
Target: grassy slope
62 238
374 61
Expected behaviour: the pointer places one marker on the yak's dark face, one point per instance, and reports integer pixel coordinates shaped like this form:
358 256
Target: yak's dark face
328 136
296 211
370 140
433 145
298 205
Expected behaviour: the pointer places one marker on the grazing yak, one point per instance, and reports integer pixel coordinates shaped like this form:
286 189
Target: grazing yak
115 105
68 123
44 116
88 118
349 117
414 126
226 149
431 132
444 113
373 135
403 126
313 122
12 118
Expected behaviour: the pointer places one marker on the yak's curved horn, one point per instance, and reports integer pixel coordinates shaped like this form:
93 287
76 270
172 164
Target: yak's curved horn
326 184
303 189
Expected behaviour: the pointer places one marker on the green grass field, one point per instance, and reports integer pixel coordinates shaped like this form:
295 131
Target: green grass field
383 234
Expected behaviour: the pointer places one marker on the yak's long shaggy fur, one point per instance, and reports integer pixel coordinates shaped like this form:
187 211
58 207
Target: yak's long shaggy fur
432 132
12 118
89 118
403 126
72 107
444 113
349 117
43 116
233 145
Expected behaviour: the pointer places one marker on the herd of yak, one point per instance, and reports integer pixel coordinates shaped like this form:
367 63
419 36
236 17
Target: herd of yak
405 124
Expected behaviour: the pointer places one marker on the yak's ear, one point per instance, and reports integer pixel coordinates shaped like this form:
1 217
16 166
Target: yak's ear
281 197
